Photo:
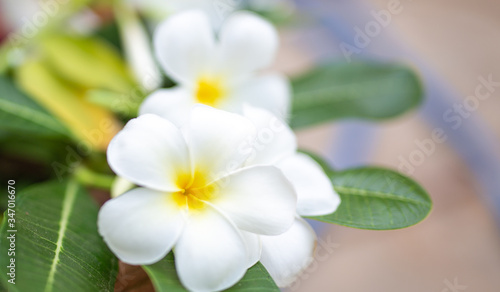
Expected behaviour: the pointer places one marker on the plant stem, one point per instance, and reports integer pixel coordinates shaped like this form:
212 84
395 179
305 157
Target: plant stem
90 178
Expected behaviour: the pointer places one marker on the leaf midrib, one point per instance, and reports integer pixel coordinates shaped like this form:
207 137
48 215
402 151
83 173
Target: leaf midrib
302 96
373 77
376 194
67 207
304 101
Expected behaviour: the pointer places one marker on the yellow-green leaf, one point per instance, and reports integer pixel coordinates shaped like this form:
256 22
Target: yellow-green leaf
88 62
88 122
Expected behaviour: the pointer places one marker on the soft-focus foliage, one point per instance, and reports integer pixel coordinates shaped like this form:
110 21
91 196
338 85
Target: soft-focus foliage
363 90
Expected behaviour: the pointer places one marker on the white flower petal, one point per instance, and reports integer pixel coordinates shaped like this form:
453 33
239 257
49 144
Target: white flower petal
140 226
184 45
217 11
216 140
270 92
254 247
315 193
151 152
210 255
258 199
173 104
247 43
274 141
286 255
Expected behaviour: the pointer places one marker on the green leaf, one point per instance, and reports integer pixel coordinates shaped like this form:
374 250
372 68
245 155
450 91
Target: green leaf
357 90
164 278
257 279
57 247
111 34
19 113
378 199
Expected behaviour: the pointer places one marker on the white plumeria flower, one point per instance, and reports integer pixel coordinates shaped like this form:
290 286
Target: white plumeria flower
217 10
288 254
196 194
218 73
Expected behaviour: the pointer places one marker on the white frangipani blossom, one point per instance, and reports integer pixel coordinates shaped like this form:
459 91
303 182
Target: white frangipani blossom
196 194
216 10
288 254
217 72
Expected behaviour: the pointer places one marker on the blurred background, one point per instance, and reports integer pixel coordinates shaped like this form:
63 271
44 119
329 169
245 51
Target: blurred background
457 248
454 46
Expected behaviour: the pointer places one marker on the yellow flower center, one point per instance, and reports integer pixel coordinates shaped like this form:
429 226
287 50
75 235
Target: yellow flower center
209 91
194 191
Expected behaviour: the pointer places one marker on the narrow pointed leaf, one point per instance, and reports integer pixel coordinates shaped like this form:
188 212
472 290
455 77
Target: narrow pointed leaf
378 199
164 278
364 90
57 247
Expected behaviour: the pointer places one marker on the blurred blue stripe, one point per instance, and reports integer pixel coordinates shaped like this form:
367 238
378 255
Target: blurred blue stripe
473 141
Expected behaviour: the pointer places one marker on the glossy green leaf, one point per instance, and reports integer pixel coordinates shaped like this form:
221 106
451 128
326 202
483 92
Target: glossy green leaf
19 113
376 198
164 278
57 246
357 90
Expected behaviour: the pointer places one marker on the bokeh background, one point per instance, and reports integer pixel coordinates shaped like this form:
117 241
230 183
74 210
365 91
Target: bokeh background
451 43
